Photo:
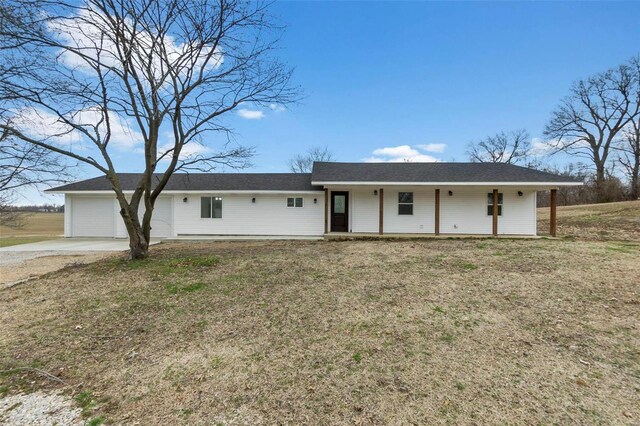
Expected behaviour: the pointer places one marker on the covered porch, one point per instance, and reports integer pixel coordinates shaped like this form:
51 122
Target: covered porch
428 211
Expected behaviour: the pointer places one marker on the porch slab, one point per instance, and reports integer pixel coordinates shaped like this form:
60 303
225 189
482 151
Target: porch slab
365 236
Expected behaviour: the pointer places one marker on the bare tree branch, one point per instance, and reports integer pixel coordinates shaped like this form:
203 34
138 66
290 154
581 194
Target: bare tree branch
511 148
154 78
588 121
303 163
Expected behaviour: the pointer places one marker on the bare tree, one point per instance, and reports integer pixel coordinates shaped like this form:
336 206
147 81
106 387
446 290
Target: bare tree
589 120
152 78
22 164
511 148
629 156
303 163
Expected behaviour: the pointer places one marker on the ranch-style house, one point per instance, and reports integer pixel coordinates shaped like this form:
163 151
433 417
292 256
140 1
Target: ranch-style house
335 199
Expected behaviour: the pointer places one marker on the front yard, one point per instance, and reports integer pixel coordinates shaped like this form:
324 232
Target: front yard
364 332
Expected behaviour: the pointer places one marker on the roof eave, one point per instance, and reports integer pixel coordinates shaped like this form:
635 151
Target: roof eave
191 191
367 183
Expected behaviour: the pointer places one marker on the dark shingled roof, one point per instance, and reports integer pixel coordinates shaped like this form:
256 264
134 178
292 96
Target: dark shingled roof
430 172
333 172
206 182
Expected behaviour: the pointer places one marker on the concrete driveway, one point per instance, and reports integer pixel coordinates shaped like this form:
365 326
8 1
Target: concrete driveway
22 262
73 244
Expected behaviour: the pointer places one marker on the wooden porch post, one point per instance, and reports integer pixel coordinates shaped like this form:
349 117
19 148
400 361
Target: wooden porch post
437 218
381 216
552 215
326 211
494 211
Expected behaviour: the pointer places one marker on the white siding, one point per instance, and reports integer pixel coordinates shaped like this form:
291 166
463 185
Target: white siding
465 212
68 212
92 216
269 215
161 220
518 213
421 221
364 211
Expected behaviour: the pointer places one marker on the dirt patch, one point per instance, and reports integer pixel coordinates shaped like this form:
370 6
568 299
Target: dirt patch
19 266
39 409
369 332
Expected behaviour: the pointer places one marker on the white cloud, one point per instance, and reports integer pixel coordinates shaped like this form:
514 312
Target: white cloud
189 151
399 154
277 107
250 114
433 147
86 32
44 125
40 124
123 137
540 147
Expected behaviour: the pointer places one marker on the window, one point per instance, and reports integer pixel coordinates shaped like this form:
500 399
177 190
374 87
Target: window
490 204
405 203
294 202
211 207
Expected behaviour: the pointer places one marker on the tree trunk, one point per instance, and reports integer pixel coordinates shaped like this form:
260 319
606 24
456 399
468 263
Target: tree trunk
635 179
139 245
601 194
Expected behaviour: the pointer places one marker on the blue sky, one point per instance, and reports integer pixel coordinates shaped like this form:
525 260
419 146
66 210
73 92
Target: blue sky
386 74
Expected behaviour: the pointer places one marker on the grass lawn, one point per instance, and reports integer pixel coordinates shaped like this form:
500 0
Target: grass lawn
354 332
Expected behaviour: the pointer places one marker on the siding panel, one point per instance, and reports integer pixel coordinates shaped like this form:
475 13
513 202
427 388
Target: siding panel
423 218
269 215
92 216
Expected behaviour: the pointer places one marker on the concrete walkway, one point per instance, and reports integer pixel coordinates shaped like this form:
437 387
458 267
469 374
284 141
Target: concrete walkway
79 245
242 238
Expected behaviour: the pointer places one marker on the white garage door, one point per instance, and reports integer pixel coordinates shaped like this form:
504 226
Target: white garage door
93 217
162 218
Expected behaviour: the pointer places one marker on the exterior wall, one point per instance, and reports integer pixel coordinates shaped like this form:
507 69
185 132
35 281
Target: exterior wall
465 212
269 215
68 211
421 221
364 210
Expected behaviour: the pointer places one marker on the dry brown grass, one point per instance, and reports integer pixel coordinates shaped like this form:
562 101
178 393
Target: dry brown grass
37 227
364 332
611 221
368 332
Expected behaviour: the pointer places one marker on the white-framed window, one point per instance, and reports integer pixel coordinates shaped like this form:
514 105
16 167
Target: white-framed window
490 204
295 202
405 203
211 207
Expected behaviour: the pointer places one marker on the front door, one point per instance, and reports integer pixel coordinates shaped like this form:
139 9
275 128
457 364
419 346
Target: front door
340 211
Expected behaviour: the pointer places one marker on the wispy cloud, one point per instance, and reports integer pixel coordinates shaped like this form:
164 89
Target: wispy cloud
399 154
250 114
277 108
44 125
433 147
190 151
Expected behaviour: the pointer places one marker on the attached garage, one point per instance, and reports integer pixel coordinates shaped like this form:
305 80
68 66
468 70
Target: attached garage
98 216
162 219
92 216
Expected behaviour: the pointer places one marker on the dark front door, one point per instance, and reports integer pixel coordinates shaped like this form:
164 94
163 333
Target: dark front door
339 212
